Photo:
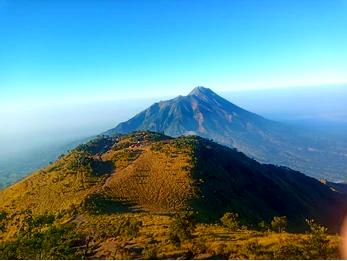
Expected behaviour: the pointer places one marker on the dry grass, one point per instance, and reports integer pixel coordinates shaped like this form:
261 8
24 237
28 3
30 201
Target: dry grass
53 189
152 174
208 240
154 181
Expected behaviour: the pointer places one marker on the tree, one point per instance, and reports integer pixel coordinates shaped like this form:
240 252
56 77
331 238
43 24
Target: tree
230 220
316 245
279 224
182 227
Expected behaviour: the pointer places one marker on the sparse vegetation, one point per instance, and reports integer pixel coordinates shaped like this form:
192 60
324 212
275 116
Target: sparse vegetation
182 227
317 244
149 236
279 224
288 250
129 227
2 221
57 242
230 220
263 226
74 209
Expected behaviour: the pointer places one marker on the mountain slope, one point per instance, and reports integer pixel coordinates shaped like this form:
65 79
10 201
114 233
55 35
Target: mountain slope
201 112
149 172
208 115
19 165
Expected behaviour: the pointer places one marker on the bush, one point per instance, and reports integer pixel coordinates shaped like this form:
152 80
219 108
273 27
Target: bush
316 245
182 227
58 242
263 226
30 223
127 226
42 220
3 216
288 251
199 248
250 250
279 224
150 254
131 227
230 220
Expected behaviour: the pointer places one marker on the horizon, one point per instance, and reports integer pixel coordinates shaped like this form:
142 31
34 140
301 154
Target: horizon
56 124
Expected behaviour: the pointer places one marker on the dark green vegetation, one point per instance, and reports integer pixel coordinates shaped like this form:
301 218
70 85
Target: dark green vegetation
40 238
208 115
146 195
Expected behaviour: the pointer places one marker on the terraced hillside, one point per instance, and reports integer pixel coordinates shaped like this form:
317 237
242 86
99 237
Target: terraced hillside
146 178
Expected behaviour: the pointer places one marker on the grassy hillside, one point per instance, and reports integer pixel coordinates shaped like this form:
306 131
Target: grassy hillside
149 236
126 197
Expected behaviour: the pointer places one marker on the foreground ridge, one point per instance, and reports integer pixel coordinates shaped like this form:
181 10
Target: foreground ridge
138 182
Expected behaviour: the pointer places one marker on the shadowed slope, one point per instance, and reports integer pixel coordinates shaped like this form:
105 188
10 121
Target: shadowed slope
230 181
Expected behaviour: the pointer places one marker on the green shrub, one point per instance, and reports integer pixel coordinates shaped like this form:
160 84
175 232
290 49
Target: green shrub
316 245
263 226
230 220
288 251
123 226
150 253
42 220
279 224
58 242
182 227
3 216
199 248
129 227
118 226
250 250
30 223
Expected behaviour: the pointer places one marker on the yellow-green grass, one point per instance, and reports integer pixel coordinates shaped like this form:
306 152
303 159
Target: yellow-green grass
208 240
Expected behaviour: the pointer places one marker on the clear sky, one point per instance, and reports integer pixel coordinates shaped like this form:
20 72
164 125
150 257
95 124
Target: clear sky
66 64
103 49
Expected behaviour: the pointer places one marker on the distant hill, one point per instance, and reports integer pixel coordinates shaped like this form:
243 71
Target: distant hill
208 115
150 172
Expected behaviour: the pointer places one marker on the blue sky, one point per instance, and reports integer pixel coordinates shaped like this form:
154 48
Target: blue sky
69 68
54 51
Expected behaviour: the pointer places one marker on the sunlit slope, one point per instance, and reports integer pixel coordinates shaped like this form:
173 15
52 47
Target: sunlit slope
150 172
61 186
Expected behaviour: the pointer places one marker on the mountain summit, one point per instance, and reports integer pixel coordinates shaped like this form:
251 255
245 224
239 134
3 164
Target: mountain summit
204 113
201 112
202 91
